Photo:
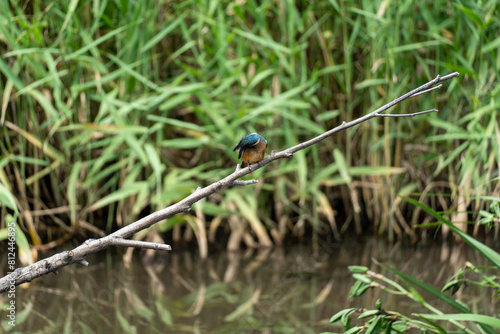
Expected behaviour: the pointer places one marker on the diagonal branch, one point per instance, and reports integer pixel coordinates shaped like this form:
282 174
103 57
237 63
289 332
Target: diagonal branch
118 238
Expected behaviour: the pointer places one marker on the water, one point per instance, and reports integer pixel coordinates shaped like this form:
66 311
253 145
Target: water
279 290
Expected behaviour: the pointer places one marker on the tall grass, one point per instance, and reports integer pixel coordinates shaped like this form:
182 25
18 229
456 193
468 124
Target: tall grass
112 109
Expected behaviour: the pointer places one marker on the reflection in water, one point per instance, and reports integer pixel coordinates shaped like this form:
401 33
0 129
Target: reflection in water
255 291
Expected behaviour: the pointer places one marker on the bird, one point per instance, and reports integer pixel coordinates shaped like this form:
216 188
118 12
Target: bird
252 147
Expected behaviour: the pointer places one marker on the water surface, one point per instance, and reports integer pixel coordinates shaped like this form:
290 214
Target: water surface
279 290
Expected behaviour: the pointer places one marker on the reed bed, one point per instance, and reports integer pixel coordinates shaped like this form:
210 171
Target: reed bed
114 109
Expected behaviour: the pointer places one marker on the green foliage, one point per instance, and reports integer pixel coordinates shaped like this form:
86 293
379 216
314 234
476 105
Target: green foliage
113 109
408 286
12 226
380 321
493 215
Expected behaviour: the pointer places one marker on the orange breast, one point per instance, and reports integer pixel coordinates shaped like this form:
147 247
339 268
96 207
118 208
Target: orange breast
254 154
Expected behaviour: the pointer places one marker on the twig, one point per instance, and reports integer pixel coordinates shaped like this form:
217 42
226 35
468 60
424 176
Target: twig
118 241
77 255
427 90
244 183
407 115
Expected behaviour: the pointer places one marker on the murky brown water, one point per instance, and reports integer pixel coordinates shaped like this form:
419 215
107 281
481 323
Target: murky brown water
280 290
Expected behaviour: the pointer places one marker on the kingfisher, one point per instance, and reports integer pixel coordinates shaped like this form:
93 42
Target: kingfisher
252 147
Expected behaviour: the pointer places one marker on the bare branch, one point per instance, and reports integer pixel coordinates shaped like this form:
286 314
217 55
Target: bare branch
244 183
118 241
77 255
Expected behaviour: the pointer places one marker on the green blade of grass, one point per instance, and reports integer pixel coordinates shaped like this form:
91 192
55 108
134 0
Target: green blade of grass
69 15
185 143
343 168
72 200
119 195
128 69
176 123
415 46
95 43
486 251
161 34
264 42
426 287
21 240
435 292
7 199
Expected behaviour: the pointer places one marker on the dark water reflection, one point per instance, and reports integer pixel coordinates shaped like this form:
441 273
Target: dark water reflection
281 290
